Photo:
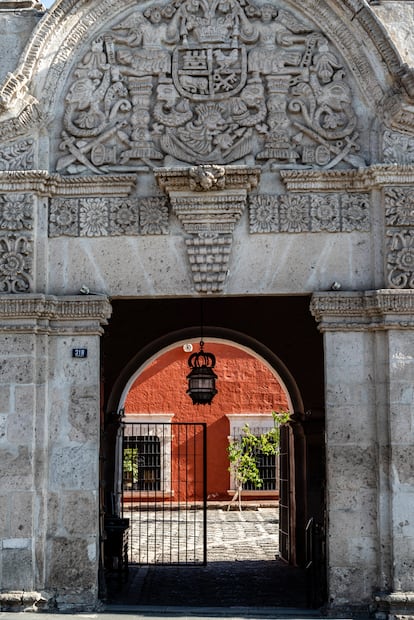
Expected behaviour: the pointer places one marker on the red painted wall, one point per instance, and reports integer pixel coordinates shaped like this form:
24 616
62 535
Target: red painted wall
244 384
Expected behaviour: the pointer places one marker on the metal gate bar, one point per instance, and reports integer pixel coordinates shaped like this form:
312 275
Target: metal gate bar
164 492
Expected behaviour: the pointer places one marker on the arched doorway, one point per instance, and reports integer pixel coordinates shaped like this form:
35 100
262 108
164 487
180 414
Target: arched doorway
285 333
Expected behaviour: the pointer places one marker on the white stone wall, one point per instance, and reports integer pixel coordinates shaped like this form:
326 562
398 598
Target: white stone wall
49 446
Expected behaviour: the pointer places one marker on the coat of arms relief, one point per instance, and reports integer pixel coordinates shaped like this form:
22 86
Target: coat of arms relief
208 82
208 94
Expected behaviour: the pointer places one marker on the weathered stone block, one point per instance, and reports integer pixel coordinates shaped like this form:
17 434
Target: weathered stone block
351 466
16 370
16 468
4 399
80 513
20 422
74 468
3 426
17 568
84 413
22 518
69 566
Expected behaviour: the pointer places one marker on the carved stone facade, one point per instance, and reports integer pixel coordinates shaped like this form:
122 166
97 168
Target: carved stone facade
205 149
208 83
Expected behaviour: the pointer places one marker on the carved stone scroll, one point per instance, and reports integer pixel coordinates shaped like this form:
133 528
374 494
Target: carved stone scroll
208 83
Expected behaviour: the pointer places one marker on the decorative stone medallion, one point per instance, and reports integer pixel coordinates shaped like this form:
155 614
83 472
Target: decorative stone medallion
208 82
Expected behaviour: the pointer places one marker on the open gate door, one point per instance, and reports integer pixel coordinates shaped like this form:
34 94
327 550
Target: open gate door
164 492
284 494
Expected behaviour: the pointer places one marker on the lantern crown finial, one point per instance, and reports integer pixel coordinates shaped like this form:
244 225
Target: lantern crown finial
202 378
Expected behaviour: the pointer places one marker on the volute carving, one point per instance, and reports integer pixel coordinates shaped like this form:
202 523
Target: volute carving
208 82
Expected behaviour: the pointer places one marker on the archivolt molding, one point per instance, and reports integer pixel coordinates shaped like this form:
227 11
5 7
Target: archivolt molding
383 309
50 314
68 23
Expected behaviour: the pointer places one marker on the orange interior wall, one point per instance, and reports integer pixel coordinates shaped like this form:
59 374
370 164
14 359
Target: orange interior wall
244 384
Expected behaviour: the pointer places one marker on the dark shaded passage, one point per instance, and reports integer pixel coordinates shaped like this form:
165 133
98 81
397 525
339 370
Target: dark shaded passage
219 584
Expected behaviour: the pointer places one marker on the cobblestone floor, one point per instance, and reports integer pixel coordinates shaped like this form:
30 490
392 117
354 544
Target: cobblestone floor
242 568
178 536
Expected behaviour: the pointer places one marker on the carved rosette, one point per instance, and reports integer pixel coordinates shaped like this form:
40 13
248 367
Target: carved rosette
399 219
208 201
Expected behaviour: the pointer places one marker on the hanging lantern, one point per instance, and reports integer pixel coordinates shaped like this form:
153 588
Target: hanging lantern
202 378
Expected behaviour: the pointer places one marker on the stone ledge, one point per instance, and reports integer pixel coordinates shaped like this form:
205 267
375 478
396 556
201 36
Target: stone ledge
49 313
20 600
364 310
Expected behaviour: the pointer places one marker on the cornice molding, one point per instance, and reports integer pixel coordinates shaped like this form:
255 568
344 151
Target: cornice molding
383 309
51 314
363 179
45 184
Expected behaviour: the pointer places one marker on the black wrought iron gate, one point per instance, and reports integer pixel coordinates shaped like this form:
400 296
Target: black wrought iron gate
164 492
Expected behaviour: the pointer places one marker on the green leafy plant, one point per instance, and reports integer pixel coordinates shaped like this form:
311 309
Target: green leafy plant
130 467
243 453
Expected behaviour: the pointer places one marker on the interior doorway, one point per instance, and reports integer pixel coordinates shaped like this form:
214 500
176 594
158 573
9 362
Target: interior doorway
287 327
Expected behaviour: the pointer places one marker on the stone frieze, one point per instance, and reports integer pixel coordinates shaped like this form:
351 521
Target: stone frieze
103 217
208 82
299 213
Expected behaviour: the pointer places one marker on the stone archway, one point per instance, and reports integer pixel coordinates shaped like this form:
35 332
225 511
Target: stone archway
288 332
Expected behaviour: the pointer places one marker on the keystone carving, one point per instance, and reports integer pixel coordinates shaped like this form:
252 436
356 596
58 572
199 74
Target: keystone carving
208 83
208 201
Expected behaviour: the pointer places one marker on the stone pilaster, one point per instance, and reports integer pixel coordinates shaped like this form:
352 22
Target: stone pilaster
369 339
49 450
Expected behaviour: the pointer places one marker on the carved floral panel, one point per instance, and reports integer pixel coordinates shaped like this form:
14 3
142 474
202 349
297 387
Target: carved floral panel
16 212
103 217
17 156
298 213
16 258
208 82
399 220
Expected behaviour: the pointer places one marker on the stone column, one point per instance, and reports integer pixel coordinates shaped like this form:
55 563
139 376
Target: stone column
49 450
368 339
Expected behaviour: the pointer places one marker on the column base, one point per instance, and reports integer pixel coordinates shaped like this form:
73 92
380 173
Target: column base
394 606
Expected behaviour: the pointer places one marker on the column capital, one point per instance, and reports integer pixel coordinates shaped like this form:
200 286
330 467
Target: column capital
382 309
50 314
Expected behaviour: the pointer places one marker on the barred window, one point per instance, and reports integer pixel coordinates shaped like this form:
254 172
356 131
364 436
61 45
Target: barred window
142 463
